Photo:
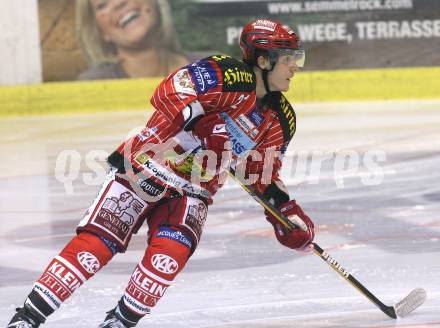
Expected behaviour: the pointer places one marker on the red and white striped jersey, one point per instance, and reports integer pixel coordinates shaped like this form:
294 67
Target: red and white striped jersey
222 85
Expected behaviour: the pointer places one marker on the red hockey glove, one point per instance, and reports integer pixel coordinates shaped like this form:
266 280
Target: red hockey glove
299 238
211 130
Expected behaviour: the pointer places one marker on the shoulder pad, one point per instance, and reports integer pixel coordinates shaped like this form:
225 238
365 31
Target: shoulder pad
237 75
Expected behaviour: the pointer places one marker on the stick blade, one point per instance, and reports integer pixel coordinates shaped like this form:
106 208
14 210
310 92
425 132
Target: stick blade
410 302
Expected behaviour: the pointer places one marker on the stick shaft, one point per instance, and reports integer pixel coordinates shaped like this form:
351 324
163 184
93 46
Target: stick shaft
388 310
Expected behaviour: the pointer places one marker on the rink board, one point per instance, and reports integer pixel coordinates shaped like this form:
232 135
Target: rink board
122 95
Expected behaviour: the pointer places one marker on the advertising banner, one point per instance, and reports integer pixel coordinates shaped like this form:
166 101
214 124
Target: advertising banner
338 34
107 39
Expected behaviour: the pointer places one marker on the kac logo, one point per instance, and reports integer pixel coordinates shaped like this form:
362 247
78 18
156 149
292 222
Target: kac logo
88 261
165 264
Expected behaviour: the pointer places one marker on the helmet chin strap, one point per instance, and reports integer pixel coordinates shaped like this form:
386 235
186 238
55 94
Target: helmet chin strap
265 73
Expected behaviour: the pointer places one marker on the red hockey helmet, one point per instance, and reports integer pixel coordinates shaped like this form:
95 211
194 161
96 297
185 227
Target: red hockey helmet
273 37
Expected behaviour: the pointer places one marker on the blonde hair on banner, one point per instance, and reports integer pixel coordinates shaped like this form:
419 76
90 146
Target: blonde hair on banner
98 51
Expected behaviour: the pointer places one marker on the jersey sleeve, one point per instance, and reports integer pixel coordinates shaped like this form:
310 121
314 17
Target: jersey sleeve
267 167
272 151
195 82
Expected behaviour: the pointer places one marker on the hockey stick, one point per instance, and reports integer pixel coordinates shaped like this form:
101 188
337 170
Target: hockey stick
408 304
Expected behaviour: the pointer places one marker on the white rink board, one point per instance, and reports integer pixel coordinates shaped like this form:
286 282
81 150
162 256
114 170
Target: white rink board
20 43
388 235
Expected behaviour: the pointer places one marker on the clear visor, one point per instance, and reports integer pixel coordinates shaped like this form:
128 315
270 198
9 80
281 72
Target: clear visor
289 56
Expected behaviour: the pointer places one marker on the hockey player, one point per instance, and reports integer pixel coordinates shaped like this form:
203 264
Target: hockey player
229 108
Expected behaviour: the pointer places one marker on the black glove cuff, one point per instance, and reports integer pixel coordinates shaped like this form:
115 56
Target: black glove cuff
275 196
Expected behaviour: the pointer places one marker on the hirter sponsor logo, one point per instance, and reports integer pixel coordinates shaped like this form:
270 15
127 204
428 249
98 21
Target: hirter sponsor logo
88 261
289 115
164 263
234 76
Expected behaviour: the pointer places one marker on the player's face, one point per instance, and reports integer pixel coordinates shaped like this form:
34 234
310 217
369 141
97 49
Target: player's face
125 22
279 78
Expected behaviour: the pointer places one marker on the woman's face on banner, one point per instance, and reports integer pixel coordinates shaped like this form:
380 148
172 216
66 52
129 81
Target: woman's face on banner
125 22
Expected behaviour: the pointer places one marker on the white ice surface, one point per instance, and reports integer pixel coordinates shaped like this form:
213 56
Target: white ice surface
387 235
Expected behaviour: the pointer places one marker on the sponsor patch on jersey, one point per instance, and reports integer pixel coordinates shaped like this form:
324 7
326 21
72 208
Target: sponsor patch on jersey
241 143
203 76
141 158
150 188
236 77
146 133
183 83
247 125
169 233
288 117
153 169
256 117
